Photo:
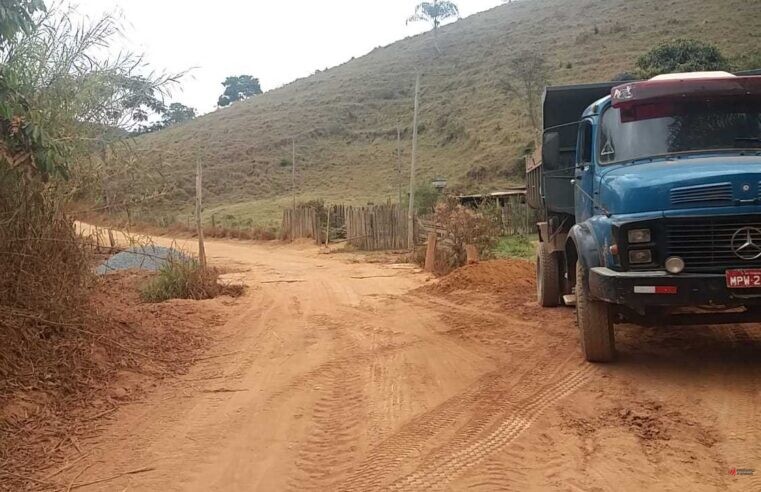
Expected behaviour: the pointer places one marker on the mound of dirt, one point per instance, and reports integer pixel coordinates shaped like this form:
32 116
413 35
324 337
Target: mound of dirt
511 276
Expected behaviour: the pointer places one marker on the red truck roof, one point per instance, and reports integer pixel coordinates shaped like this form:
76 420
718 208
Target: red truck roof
712 85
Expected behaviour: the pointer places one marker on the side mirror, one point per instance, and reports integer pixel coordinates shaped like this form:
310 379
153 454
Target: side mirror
551 150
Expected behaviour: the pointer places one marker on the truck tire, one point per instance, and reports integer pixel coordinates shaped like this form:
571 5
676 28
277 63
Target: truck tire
547 277
595 321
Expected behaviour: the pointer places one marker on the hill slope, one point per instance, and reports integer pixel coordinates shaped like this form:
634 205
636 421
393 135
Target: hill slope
471 132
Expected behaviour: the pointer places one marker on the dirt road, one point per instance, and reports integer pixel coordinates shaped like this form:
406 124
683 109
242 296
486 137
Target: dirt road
336 375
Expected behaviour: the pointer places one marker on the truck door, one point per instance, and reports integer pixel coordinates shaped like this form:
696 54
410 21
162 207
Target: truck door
584 173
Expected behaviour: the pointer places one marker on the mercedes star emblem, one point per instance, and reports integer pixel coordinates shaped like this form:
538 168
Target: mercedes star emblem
746 243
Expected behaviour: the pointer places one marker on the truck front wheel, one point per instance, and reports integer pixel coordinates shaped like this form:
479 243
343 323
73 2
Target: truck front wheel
547 277
595 321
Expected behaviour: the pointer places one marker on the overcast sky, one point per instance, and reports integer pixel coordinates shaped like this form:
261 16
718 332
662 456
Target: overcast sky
275 40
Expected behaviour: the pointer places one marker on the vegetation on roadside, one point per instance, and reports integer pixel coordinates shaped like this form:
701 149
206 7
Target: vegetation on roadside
182 277
462 226
62 105
516 246
59 105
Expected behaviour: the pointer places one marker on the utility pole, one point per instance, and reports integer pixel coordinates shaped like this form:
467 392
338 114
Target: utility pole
293 171
199 223
399 160
411 211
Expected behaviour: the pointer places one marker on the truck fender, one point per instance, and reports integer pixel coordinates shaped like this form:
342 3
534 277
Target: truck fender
581 246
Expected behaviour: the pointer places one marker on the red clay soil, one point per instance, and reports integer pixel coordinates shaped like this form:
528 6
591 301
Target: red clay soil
329 375
511 276
116 356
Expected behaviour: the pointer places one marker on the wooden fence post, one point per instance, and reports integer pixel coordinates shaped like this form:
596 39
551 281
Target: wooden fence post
430 252
199 221
327 230
472 253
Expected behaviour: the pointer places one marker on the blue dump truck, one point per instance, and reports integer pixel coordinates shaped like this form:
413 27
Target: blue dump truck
650 198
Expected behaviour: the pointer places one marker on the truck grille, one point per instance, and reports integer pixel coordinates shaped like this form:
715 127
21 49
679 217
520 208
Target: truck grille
705 243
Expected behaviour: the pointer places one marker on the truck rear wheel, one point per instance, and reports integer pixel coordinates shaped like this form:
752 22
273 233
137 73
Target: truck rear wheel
595 321
547 277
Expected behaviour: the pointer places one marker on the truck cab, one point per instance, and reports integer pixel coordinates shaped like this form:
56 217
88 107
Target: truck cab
650 193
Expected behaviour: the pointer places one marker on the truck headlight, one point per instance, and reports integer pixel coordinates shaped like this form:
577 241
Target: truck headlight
640 256
638 236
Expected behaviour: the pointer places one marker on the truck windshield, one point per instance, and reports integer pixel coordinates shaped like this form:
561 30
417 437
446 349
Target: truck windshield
676 127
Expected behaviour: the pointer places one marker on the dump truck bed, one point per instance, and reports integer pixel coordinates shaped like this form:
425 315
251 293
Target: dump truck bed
562 107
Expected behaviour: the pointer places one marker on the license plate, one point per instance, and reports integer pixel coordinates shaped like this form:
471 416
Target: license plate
743 279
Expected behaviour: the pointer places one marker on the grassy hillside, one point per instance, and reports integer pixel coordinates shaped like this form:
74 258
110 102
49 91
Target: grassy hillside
471 132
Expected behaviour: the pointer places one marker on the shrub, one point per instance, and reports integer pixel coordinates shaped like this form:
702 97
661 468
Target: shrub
463 226
426 197
44 263
681 55
623 77
183 278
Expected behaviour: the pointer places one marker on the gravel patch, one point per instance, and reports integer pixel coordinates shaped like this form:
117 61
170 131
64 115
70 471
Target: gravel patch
148 257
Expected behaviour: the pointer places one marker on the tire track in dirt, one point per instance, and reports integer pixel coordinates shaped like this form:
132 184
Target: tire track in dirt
488 428
358 360
427 300
742 413
441 471
462 420
411 440
337 416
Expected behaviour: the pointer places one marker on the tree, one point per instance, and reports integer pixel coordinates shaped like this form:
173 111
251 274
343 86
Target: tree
59 101
17 16
177 113
435 13
681 55
527 76
426 197
62 108
238 89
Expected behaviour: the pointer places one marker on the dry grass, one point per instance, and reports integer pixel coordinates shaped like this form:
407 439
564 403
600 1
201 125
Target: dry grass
471 132
184 278
66 336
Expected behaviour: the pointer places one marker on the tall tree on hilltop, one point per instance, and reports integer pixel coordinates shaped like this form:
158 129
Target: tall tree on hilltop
435 13
238 89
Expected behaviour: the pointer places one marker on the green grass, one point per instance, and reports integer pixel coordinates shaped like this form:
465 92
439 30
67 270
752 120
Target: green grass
472 133
518 246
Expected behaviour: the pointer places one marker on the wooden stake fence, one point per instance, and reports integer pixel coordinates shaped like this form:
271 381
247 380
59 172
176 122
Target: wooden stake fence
374 227
377 227
301 223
